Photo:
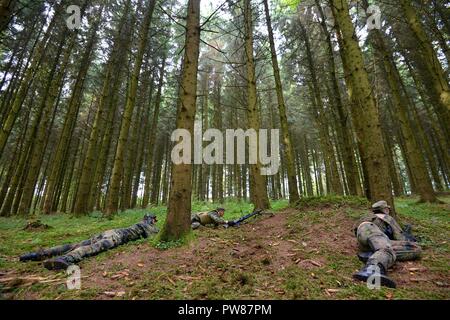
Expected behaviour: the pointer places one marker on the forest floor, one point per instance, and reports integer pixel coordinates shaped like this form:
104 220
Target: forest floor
298 253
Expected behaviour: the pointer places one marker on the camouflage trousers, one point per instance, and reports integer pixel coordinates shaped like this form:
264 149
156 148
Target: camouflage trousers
73 253
195 221
385 251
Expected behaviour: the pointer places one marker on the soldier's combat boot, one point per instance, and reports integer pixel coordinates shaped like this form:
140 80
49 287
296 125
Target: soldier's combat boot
32 256
369 270
56 264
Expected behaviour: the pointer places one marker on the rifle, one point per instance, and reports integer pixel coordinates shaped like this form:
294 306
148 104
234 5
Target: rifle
237 222
408 234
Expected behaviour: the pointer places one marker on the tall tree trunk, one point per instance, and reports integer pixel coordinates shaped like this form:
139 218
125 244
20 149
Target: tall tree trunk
179 209
47 107
89 164
334 184
117 172
152 137
368 128
156 176
288 150
70 120
22 92
258 181
143 142
436 74
343 129
413 154
218 176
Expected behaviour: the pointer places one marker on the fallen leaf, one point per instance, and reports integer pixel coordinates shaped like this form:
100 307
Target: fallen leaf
110 293
140 265
389 295
120 293
332 290
120 275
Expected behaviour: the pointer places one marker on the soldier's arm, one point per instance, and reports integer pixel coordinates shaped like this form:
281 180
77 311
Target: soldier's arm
215 217
148 230
397 231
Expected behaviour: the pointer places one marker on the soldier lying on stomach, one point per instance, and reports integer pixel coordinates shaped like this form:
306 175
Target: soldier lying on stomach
382 242
214 218
73 253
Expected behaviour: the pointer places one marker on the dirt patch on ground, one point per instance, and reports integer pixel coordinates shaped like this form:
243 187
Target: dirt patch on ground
236 251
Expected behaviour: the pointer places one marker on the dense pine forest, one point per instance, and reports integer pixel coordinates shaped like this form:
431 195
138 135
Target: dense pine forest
92 91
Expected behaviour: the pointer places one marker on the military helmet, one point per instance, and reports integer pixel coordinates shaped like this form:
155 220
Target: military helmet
380 206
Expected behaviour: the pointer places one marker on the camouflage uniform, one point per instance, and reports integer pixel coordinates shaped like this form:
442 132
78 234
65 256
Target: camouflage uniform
382 235
206 218
74 253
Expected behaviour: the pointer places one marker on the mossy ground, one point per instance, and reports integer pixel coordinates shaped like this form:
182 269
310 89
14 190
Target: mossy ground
307 252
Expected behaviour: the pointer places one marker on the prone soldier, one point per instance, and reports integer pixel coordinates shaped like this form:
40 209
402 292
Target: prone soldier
214 217
382 242
73 253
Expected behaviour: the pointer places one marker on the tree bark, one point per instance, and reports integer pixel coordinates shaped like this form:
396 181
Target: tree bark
178 222
257 181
